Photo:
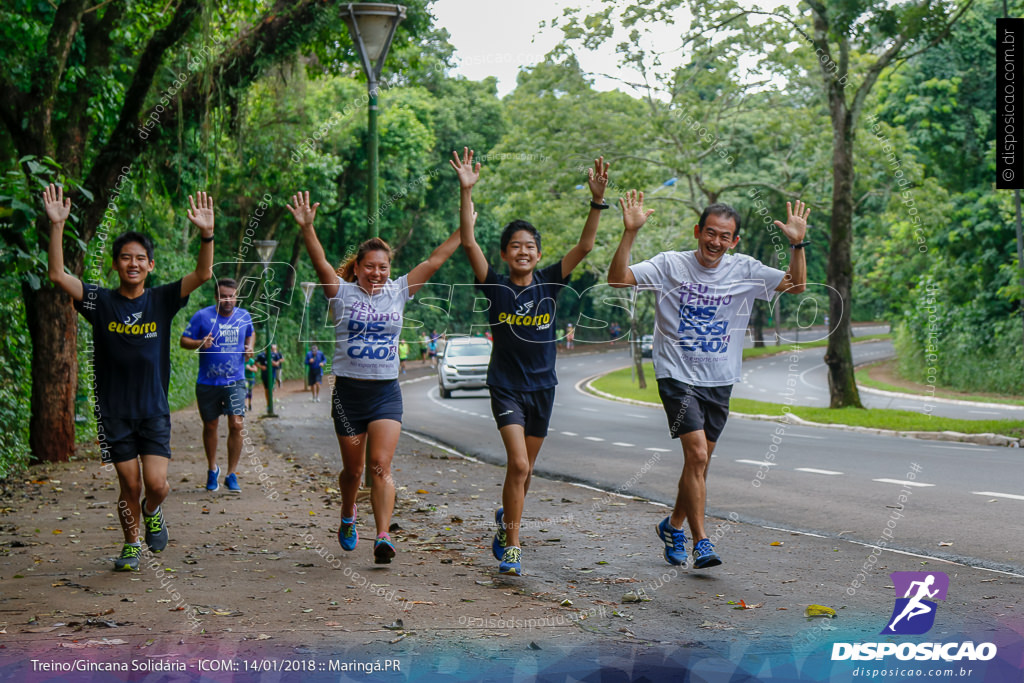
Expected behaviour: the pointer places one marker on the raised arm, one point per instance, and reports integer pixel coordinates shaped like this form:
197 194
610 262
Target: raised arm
201 214
795 279
633 218
57 210
304 214
419 275
468 175
597 178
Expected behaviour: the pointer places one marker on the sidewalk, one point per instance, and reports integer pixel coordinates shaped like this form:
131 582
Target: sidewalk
254 581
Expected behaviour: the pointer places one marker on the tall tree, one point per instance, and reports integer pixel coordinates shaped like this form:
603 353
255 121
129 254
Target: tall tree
85 86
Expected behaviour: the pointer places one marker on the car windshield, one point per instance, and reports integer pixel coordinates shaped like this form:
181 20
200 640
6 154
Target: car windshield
458 350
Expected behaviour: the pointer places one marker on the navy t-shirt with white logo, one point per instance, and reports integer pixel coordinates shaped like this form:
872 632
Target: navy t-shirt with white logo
522 322
131 348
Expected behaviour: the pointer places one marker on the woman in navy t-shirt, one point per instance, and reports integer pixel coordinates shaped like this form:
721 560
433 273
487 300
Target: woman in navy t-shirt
367 306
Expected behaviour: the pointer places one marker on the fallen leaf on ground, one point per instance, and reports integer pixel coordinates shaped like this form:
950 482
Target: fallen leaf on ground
819 611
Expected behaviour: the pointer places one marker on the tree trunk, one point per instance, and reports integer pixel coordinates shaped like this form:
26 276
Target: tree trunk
53 328
838 356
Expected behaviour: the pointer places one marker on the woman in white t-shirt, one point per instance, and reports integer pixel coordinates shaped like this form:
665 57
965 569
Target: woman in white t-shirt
367 306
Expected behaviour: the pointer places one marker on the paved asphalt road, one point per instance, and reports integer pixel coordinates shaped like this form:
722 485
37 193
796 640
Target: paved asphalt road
965 503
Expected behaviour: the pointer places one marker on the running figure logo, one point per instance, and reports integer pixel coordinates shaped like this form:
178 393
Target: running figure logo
914 613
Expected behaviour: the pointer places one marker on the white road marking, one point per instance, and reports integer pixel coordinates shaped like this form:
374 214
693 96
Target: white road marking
639 417
806 436
816 471
1014 496
591 410
659 450
624 444
593 438
902 483
759 463
570 433
976 449
985 412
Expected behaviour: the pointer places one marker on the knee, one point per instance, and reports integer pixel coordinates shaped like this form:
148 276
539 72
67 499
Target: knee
157 486
210 427
380 468
696 457
235 424
131 490
350 473
519 471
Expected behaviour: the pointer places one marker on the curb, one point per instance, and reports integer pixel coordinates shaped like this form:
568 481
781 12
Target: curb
938 399
986 439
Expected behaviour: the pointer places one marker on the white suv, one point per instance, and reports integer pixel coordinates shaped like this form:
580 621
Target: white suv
463 365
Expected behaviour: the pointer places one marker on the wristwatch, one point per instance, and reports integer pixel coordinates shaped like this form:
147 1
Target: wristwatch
599 207
800 245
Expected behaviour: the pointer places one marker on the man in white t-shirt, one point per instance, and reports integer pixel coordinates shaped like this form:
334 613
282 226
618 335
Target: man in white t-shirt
705 298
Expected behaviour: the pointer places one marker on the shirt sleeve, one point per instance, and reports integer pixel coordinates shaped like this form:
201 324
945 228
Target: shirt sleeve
553 274
249 329
87 306
650 272
771 277
194 328
402 284
491 279
170 297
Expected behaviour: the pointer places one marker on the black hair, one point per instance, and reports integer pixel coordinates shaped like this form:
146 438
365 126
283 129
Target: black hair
514 227
228 282
719 209
132 236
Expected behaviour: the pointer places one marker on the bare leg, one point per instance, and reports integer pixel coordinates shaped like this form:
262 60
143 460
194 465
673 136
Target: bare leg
522 453
353 449
210 443
128 503
692 494
235 424
383 435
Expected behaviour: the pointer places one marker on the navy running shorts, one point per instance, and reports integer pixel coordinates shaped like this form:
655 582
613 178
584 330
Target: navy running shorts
690 408
226 399
124 439
531 409
356 403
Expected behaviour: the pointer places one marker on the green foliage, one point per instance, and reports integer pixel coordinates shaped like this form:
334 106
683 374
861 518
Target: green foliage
15 382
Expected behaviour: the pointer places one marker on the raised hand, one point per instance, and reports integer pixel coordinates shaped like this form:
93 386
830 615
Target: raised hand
201 212
633 215
57 207
796 222
303 212
468 174
597 178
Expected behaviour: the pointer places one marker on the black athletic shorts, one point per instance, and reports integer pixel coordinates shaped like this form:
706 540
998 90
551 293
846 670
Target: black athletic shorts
690 408
225 399
531 409
314 377
356 403
124 439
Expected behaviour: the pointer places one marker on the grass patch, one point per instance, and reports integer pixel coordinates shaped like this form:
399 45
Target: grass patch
620 383
864 377
786 347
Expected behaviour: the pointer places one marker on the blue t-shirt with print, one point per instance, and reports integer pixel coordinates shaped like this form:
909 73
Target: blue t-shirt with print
224 362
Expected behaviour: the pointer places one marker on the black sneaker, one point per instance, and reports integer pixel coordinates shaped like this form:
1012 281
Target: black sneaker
156 530
129 560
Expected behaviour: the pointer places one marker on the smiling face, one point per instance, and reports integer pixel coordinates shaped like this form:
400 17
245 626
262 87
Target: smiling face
133 264
521 254
717 237
372 271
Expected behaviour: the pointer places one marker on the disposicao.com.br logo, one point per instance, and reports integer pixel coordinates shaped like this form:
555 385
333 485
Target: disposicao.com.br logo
914 614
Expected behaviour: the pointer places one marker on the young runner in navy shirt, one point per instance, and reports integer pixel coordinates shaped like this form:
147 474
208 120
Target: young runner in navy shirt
521 376
132 347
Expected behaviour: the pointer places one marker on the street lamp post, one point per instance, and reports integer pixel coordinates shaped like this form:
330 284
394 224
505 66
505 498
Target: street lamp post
372 26
307 293
265 251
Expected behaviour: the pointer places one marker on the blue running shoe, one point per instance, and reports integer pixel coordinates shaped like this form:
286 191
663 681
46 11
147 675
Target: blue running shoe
675 542
231 481
347 534
211 479
383 550
500 537
510 564
704 555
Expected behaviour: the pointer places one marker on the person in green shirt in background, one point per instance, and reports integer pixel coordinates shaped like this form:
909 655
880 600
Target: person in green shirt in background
250 380
403 354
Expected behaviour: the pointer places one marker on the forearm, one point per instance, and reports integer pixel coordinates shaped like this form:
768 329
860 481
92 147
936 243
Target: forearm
323 267
56 251
204 263
796 274
619 274
466 222
191 344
